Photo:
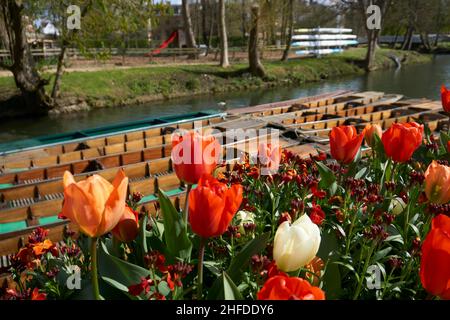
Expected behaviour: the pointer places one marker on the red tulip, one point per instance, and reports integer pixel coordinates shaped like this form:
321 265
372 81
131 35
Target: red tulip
435 262
448 146
212 206
194 155
128 227
401 140
289 288
445 97
35 295
345 143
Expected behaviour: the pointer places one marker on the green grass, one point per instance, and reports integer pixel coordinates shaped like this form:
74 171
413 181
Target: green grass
127 86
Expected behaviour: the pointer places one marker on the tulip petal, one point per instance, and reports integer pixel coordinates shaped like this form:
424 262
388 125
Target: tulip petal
115 205
77 207
205 212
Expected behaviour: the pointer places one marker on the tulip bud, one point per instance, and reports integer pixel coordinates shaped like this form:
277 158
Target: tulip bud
369 133
128 227
297 244
397 206
437 183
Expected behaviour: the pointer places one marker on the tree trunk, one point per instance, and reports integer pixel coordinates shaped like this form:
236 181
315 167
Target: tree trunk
371 49
26 77
59 72
256 68
223 36
425 40
204 27
408 41
190 38
244 19
290 33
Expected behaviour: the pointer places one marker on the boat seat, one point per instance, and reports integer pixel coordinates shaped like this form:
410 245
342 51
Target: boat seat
50 207
91 153
24 202
69 157
54 196
45 162
113 149
132 136
145 186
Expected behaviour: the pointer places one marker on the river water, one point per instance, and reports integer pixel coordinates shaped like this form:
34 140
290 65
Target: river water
416 81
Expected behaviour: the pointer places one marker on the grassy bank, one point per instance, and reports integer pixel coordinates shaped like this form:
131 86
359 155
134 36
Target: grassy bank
144 84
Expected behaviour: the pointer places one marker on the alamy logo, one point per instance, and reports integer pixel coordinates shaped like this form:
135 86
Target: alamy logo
374 280
74 18
73 282
374 17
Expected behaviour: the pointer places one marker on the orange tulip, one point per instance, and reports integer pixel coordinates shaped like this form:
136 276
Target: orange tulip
401 140
94 204
289 288
128 227
269 156
212 206
194 155
445 97
435 261
370 131
437 183
345 143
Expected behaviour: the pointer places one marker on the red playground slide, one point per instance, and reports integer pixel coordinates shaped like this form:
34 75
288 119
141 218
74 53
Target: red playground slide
164 44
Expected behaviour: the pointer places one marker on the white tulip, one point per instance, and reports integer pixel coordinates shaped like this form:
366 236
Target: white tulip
296 245
397 206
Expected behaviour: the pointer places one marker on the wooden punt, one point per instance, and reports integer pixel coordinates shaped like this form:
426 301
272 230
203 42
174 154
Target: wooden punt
102 145
429 113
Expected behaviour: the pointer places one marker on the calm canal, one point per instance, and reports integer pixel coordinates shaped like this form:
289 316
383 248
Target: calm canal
417 81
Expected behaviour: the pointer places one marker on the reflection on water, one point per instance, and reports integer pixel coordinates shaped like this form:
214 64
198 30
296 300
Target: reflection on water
416 81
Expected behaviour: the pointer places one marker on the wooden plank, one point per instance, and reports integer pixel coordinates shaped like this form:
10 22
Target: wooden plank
136 170
45 162
14 193
50 187
135 145
69 157
160 166
14 215
131 157
91 153
137 135
153 153
114 149
117 139
30 175
168 182
47 208
154 141
58 171
145 186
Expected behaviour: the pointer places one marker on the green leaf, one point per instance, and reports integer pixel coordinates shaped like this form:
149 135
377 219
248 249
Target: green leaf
332 276
141 239
381 254
242 259
225 289
175 230
230 291
238 265
123 272
327 176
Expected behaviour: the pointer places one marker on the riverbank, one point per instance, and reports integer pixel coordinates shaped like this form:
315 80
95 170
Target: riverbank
99 89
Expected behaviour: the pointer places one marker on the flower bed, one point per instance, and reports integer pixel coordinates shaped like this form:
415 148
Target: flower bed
281 227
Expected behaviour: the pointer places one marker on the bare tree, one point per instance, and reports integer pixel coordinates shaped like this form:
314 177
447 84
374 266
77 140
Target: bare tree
290 32
373 34
26 76
188 30
256 67
223 36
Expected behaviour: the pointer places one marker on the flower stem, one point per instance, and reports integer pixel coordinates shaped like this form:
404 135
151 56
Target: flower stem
95 288
362 277
186 203
201 254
